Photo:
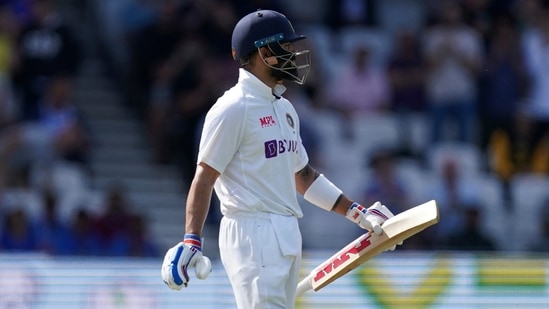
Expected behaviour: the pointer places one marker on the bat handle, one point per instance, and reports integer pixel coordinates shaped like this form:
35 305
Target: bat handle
304 285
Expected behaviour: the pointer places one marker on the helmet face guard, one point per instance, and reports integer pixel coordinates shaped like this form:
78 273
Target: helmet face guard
286 64
270 29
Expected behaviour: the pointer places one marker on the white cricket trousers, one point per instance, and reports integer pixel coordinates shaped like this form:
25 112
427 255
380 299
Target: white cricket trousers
261 253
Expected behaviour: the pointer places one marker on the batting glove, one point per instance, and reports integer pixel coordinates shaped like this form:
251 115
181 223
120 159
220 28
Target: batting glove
370 218
179 258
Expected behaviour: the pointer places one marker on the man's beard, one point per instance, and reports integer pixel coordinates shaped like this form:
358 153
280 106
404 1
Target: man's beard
281 73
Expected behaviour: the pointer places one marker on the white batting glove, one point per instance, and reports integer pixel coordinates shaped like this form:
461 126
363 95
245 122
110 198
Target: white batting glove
370 218
180 257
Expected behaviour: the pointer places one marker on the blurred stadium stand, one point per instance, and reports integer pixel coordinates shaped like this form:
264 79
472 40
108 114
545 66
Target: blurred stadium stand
121 154
122 151
513 201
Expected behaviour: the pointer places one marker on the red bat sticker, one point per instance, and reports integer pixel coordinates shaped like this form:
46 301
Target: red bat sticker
331 265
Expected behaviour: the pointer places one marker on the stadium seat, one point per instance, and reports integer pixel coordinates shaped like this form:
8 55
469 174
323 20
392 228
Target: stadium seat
376 130
495 215
61 177
467 156
417 179
529 191
27 199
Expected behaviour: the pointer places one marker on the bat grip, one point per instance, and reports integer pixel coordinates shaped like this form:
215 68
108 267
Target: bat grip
304 285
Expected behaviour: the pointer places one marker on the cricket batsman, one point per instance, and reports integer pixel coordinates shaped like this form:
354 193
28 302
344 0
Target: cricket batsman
251 154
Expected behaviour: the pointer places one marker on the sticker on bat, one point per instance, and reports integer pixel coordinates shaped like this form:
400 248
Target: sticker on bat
333 264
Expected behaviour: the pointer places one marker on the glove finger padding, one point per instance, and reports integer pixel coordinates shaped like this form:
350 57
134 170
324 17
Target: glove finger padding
388 214
167 270
176 264
372 224
376 215
369 218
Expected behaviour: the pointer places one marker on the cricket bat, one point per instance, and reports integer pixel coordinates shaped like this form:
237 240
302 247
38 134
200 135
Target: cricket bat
368 245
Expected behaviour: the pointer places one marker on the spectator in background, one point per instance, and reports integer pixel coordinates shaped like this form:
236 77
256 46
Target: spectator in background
536 52
359 88
194 93
512 149
21 9
53 236
57 133
18 232
194 86
453 51
162 72
385 184
84 237
118 231
452 191
348 13
480 14
527 13
18 190
470 236
164 33
406 73
62 123
504 80
114 225
47 48
217 31
174 83
139 242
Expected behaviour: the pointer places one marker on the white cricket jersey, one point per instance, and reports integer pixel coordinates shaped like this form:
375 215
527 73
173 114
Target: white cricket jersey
252 139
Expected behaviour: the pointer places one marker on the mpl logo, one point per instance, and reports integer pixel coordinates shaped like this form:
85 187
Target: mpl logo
267 121
275 147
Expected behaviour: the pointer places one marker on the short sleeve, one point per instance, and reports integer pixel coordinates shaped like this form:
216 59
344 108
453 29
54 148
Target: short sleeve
221 135
301 157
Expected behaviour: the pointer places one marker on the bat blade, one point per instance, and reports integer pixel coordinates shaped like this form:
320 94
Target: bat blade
368 245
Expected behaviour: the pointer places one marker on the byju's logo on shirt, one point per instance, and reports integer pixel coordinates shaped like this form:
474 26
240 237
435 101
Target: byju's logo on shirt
267 121
274 147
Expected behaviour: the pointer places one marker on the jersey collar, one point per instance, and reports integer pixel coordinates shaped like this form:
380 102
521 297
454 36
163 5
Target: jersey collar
257 87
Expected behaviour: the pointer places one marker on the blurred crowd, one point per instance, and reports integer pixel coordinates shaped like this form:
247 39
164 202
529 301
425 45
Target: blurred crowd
45 146
475 72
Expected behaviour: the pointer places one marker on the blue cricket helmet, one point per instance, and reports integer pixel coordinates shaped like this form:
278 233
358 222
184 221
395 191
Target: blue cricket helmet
259 29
